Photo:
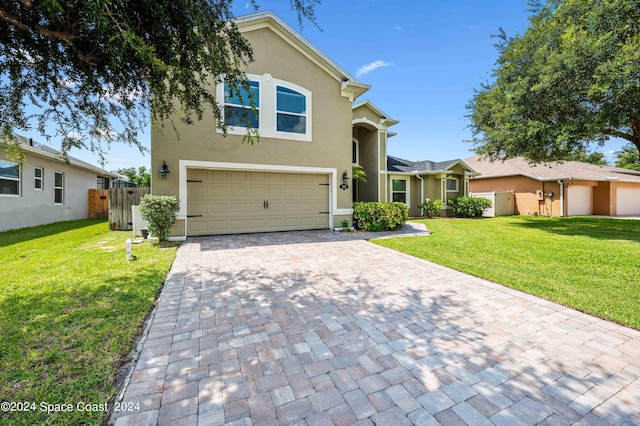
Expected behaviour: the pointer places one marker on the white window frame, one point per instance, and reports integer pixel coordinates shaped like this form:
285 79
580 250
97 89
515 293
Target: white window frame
57 188
406 189
247 107
456 180
268 109
18 179
355 144
37 179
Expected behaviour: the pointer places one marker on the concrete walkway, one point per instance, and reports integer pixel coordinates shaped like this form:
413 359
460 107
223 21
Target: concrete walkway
321 328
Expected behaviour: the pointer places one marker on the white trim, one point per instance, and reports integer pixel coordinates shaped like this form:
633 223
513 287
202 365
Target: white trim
357 142
342 211
58 187
268 111
19 180
183 165
407 190
365 120
457 184
36 178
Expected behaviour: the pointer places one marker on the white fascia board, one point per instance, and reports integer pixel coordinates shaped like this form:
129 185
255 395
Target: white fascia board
71 162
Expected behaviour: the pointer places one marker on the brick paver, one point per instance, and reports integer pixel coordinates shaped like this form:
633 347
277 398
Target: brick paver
320 327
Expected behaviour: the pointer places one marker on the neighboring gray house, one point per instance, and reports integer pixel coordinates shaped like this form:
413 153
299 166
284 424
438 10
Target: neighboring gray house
47 189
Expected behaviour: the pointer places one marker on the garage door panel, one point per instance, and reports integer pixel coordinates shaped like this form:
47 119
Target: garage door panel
579 200
628 201
233 201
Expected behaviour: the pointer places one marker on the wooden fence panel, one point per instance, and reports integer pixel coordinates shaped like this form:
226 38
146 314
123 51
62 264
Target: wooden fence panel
98 203
120 202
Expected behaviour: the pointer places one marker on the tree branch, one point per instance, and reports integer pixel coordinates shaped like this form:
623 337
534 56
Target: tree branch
619 134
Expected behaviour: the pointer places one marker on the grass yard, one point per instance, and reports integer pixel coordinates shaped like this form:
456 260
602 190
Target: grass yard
70 309
590 264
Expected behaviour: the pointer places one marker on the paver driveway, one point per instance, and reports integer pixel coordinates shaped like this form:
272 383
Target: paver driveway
323 328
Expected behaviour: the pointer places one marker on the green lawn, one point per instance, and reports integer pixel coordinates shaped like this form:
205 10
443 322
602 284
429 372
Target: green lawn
591 264
70 309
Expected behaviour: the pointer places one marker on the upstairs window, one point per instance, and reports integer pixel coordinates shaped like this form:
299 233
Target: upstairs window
9 178
291 111
238 110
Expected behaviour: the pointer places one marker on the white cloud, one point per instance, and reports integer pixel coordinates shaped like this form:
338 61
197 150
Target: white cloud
397 27
366 69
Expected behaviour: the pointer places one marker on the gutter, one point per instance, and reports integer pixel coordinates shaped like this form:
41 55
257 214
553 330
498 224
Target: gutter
561 183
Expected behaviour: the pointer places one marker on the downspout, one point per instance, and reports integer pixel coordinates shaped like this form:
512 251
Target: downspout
421 192
561 183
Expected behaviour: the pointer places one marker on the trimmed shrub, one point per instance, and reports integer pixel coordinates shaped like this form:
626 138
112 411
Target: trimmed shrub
160 212
467 206
378 217
431 208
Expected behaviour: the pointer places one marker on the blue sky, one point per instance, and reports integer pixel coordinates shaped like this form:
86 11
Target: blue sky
422 58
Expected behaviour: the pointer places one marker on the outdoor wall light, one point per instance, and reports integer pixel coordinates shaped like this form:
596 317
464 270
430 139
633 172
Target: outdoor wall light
345 179
164 171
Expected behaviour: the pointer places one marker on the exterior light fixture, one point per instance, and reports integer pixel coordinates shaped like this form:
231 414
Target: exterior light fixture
164 171
345 179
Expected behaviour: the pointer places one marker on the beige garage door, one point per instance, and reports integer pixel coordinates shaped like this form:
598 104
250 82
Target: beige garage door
579 200
628 201
230 201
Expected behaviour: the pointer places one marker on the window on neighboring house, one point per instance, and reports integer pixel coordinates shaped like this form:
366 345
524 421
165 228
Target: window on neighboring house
38 178
103 182
58 186
9 178
237 105
452 185
399 190
291 111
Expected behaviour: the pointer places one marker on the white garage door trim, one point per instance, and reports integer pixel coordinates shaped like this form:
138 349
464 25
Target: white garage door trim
579 200
627 201
184 164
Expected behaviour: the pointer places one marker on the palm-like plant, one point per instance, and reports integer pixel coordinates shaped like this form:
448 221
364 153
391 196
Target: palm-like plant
358 173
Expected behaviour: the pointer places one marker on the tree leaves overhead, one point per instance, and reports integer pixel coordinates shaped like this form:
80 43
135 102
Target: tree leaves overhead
99 70
571 80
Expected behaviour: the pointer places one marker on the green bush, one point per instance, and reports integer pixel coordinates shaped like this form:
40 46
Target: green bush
160 212
378 217
467 206
431 208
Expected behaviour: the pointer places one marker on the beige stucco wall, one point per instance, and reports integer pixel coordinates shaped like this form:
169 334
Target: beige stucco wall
36 207
330 145
368 156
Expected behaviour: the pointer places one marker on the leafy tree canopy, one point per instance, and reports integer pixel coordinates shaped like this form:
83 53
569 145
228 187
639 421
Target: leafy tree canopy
99 70
140 177
628 157
571 80
595 157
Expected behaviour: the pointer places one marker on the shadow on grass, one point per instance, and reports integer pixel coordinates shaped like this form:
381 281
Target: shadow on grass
16 236
65 345
600 228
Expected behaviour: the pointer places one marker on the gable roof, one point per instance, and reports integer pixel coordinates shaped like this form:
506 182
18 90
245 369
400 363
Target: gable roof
267 19
566 170
30 146
384 117
395 164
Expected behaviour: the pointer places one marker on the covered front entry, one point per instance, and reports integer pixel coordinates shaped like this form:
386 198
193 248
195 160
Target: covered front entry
238 201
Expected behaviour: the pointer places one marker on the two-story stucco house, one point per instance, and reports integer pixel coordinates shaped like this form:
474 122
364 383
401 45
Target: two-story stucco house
312 131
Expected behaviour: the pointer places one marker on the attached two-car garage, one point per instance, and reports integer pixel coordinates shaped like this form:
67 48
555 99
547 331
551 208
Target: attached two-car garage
241 201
